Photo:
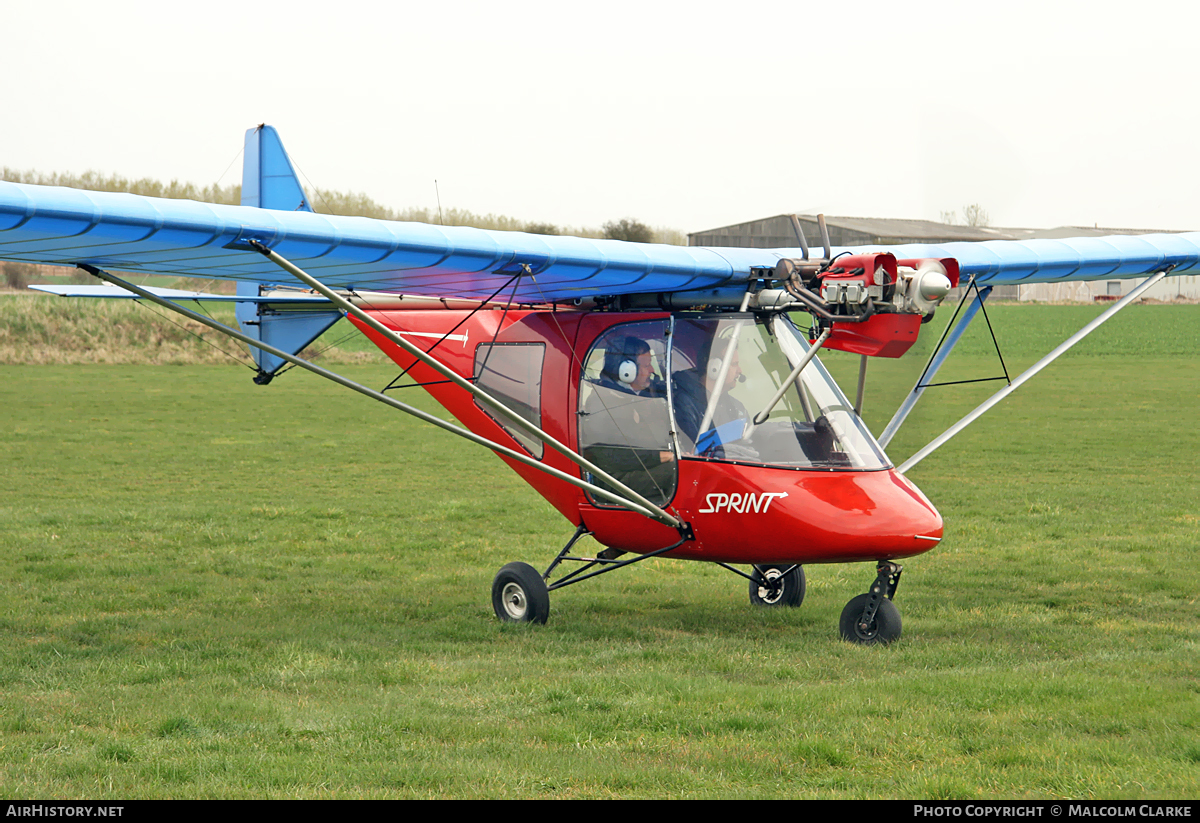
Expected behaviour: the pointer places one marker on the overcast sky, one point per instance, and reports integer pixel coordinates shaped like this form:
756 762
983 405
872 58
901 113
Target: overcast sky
682 115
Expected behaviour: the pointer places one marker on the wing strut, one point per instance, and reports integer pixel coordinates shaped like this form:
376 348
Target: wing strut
1034 369
644 505
794 377
726 360
653 512
948 341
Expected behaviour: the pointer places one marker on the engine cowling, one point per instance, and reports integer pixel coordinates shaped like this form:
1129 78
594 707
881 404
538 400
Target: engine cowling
877 303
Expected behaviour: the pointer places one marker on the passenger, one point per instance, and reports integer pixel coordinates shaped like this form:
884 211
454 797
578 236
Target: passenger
628 368
691 390
627 435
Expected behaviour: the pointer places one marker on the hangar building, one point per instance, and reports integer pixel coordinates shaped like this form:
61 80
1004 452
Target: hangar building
776 232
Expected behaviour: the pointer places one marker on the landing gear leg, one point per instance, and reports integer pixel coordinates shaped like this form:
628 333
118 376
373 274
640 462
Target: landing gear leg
521 595
872 617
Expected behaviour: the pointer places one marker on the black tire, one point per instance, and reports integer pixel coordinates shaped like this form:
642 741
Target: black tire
790 594
884 628
519 595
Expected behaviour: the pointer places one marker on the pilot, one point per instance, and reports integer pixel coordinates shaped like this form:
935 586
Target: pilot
725 436
692 389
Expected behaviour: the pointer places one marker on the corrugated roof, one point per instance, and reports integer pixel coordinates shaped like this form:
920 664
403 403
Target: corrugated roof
929 230
917 230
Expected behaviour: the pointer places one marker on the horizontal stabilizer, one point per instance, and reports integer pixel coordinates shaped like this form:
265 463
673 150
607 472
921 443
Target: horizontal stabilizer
175 294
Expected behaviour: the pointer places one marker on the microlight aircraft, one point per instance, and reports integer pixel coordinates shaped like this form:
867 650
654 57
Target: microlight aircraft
661 398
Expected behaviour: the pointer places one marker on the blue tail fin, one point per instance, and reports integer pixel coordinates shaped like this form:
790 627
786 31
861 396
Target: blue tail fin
269 180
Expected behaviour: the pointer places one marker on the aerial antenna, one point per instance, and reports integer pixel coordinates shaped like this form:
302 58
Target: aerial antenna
439 199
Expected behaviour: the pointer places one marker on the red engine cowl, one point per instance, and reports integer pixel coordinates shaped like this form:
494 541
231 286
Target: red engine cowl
907 291
854 277
883 335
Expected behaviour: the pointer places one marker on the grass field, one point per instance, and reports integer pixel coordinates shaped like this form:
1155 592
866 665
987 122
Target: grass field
214 589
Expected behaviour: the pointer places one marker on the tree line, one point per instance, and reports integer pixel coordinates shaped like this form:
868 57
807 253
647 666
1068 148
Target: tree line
350 204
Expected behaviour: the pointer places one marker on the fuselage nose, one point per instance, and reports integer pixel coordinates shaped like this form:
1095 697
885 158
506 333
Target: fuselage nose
878 515
761 514
926 518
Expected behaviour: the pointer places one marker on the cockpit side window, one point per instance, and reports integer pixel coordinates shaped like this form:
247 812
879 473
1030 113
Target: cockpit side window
624 422
512 373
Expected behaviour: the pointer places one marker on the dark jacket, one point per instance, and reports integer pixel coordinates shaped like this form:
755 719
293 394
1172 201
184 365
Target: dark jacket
691 401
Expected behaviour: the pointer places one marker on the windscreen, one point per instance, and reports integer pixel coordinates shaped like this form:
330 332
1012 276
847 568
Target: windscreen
736 395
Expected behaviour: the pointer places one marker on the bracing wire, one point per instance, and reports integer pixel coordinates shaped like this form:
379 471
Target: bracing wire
240 360
458 325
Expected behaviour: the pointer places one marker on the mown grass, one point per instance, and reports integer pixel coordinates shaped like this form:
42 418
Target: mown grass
44 329
213 589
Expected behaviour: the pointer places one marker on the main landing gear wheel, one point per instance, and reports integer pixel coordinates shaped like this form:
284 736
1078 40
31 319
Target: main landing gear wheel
519 595
776 586
883 628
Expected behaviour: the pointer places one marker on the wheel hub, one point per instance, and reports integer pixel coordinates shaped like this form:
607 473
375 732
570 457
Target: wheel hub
771 591
866 631
514 601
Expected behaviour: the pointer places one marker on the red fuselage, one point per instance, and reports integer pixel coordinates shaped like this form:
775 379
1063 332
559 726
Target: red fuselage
738 512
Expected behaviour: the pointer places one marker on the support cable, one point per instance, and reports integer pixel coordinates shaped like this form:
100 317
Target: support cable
233 357
320 351
520 457
516 419
982 308
938 441
499 326
513 280
950 338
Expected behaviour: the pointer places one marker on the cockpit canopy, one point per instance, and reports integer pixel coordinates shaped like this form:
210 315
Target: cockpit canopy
722 389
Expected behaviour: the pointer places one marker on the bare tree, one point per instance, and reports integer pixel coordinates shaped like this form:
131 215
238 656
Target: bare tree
972 215
975 215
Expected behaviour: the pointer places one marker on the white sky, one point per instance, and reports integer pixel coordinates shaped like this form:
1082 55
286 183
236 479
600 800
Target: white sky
684 115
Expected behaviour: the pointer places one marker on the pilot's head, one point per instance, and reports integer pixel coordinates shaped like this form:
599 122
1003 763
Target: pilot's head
709 362
627 361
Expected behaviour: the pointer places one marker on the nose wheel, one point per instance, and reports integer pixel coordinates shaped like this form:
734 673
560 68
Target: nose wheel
882 628
873 618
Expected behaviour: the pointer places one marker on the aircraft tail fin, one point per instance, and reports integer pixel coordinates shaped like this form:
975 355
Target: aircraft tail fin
269 179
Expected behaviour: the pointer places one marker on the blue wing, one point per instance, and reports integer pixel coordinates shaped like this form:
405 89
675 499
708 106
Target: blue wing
1004 262
126 232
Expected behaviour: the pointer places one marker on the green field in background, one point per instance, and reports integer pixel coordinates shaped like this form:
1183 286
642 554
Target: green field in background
214 589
